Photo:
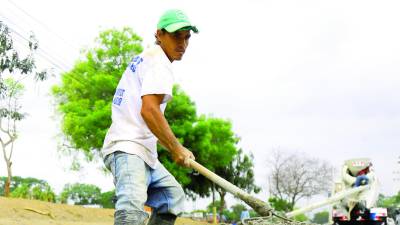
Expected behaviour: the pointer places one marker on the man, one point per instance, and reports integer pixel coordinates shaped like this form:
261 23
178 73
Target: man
130 146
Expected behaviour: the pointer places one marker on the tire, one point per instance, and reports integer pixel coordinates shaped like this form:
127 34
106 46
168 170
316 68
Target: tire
384 222
341 223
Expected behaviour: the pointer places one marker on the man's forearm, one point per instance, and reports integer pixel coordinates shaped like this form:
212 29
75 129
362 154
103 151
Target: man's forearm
159 126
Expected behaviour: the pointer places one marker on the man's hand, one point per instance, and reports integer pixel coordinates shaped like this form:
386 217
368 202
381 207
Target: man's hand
180 156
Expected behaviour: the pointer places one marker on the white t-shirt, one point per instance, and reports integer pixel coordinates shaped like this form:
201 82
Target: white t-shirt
148 73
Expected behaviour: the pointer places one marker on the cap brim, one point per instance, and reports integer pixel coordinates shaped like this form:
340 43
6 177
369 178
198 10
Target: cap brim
181 26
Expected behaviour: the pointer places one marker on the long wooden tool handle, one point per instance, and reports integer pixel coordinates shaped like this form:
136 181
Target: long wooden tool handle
217 179
259 206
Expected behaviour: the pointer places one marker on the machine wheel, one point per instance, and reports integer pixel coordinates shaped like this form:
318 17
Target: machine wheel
384 222
341 223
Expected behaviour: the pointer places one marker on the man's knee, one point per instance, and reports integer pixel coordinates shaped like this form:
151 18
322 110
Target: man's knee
124 217
177 202
180 195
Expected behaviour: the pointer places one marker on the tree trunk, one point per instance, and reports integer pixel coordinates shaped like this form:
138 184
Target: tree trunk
222 203
8 181
213 204
213 194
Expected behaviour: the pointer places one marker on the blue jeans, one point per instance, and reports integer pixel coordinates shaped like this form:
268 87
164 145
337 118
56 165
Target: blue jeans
137 184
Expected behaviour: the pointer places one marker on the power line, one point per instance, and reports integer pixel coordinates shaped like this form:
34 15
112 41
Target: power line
47 58
41 52
44 54
55 57
43 25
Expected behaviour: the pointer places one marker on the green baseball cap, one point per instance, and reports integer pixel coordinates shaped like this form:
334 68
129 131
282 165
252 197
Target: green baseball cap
175 20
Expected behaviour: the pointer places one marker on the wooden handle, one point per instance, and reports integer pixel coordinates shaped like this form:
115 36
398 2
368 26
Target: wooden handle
259 206
216 179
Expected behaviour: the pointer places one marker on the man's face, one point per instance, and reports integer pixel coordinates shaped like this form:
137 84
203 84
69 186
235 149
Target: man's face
174 44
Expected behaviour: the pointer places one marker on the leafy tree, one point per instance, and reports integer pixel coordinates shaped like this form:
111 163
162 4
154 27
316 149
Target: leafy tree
107 200
16 181
44 193
240 173
84 100
30 188
236 211
40 191
212 142
21 192
85 95
210 210
213 204
296 176
9 116
253 213
392 203
81 194
11 63
280 204
301 218
321 217
284 206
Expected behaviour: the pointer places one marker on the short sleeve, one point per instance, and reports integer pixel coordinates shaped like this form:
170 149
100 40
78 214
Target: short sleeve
158 80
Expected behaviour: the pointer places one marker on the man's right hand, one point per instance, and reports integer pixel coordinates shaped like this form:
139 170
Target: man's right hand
180 156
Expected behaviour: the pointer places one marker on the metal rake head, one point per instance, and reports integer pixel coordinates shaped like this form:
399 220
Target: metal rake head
271 220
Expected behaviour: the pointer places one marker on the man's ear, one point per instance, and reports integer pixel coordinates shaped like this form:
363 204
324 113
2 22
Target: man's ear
159 33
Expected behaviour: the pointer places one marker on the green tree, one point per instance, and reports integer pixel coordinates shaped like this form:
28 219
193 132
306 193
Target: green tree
301 218
253 213
280 204
213 204
210 211
107 199
84 100
44 193
16 181
389 201
9 116
11 63
81 194
41 191
85 94
392 203
284 206
212 142
321 217
240 173
21 191
236 211
30 188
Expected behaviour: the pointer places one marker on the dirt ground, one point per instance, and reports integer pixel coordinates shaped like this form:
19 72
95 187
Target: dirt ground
31 212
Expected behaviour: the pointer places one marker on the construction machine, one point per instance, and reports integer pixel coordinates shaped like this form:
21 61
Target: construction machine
360 208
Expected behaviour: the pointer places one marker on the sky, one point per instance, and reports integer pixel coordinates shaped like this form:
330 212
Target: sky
316 77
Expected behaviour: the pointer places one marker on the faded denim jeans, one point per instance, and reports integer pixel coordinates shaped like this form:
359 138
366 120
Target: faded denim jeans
137 184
